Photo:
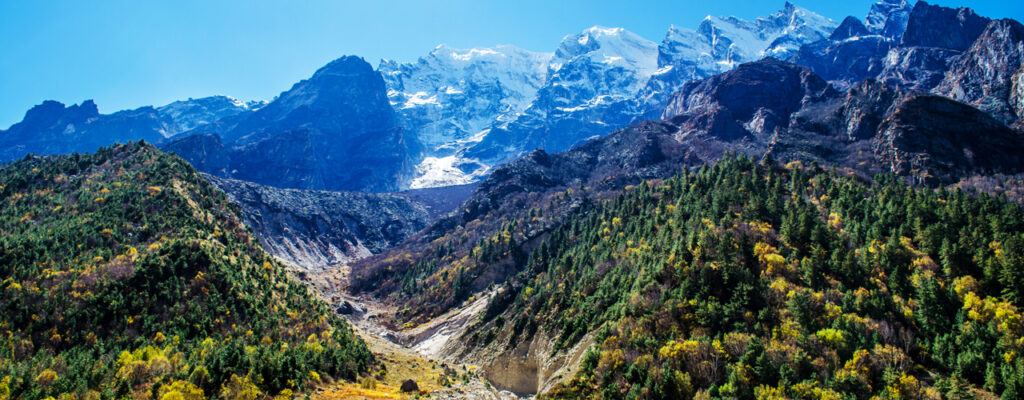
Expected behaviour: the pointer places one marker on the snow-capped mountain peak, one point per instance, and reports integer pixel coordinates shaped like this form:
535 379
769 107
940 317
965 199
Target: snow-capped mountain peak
721 43
613 46
588 86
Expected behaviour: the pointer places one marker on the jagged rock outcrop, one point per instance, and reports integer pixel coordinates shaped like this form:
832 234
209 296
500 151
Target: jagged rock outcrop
933 38
52 128
906 47
857 50
863 110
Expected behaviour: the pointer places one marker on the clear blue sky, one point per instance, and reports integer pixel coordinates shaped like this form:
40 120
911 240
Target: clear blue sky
125 54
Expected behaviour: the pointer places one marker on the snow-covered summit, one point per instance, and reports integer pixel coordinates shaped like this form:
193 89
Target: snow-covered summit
602 61
733 40
472 108
451 94
615 47
721 43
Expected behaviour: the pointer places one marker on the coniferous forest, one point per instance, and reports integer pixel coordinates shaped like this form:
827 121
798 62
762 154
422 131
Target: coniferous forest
755 280
125 275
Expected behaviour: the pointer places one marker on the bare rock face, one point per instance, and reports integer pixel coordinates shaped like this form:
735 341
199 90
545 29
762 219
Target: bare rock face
753 98
1017 95
916 68
983 76
933 139
864 108
937 26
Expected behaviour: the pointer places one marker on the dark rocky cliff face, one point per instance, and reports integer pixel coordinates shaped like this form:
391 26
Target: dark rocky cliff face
935 139
754 98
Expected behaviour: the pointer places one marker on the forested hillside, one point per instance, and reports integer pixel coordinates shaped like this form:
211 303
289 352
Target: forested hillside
124 274
753 280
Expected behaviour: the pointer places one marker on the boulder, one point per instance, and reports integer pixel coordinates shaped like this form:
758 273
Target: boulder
409 386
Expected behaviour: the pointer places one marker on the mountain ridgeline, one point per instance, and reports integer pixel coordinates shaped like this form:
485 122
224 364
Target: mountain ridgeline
125 274
452 116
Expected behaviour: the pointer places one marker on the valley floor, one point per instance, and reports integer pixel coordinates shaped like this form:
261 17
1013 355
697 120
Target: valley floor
421 362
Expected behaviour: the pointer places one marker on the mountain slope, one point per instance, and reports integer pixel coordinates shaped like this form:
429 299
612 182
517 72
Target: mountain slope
125 274
747 281
766 108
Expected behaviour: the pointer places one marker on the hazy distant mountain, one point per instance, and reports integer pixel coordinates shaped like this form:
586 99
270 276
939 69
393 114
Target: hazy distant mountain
53 128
